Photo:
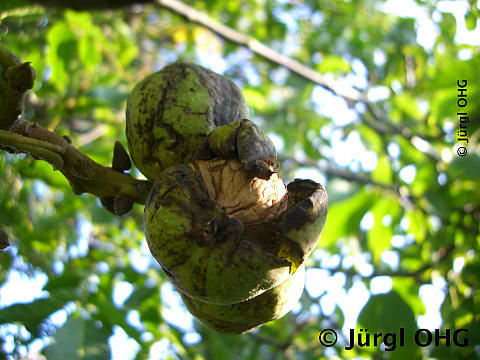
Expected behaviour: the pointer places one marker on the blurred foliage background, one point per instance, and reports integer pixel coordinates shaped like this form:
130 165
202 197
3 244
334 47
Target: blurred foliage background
401 244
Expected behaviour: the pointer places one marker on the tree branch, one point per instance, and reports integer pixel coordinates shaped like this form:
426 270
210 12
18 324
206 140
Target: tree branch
84 174
3 240
198 17
350 94
89 4
117 191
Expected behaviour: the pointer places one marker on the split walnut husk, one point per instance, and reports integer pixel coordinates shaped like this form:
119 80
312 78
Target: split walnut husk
230 235
225 237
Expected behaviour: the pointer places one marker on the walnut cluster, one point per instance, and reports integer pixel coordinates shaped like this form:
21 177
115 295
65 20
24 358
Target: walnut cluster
229 234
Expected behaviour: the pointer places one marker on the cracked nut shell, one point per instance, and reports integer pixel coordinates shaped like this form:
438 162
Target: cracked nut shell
223 236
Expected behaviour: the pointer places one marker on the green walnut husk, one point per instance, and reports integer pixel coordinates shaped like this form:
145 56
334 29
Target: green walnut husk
199 246
230 235
171 112
250 314
223 236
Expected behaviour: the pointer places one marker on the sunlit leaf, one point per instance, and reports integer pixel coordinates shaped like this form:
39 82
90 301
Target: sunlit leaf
471 21
383 172
344 217
254 98
380 235
333 64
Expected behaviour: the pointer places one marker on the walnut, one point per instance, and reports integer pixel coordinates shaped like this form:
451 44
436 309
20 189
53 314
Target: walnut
225 237
229 234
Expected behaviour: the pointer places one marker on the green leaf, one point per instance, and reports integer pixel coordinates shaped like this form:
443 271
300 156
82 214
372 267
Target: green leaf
109 315
5 263
344 217
388 313
13 4
61 53
139 295
407 288
69 279
448 25
405 106
333 64
89 53
438 203
372 139
255 99
425 180
471 21
33 314
383 172
466 167
340 190
380 235
79 339
417 224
